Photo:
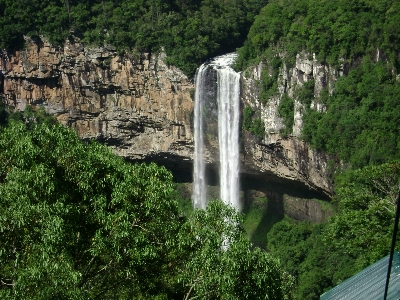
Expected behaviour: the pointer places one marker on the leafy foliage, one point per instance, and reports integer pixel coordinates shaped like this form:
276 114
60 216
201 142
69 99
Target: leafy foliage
361 124
189 31
364 224
269 85
78 222
305 254
253 125
222 264
333 30
322 256
78 216
286 111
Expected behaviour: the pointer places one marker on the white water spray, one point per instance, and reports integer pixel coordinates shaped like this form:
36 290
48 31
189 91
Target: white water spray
228 92
199 191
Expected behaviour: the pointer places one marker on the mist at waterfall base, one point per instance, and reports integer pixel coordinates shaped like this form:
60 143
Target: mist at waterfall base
227 94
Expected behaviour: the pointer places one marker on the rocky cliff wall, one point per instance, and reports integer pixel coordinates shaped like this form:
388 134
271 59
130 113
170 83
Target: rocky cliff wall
288 157
136 104
142 107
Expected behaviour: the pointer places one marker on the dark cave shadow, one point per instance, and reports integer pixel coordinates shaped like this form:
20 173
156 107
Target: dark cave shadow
273 209
273 212
272 215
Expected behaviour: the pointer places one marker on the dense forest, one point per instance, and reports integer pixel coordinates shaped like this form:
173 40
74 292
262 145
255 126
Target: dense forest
189 31
359 126
74 227
78 222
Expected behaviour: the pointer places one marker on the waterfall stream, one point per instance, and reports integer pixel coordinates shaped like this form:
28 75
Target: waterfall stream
227 97
200 188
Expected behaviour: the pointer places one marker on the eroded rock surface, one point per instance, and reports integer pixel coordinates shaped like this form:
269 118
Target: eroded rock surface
289 157
142 107
136 104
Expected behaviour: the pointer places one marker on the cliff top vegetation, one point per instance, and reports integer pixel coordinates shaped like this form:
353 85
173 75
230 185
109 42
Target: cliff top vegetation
358 126
359 123
189 31
336 31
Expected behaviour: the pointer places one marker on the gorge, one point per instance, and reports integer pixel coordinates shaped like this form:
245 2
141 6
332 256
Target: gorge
97 199
143 109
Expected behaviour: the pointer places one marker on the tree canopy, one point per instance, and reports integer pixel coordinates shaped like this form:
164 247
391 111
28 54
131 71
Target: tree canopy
336 31
78 222
189 31
320 256
360 124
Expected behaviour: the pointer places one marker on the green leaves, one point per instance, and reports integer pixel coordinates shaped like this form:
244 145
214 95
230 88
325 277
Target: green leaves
190 32
305 253
78 222
332 30
359 124
221 262
78 214
253 125
286 111
364 224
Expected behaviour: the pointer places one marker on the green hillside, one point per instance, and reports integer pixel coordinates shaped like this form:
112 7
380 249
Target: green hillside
65 204
189 31
360 126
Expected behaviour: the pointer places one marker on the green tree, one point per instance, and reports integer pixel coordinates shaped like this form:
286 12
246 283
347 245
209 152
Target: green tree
222 264
78 222
364 223
309 257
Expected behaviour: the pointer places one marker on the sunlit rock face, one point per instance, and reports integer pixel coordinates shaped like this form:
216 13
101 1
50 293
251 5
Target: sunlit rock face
288 158
143 108
137 104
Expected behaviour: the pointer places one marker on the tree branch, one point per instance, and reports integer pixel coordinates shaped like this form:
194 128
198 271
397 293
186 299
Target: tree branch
5 283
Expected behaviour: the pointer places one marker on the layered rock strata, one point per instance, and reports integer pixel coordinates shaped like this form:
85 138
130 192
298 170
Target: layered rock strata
289 157
137 104
143 108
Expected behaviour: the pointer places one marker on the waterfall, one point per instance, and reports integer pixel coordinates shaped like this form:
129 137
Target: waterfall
228 135
227 94
199 189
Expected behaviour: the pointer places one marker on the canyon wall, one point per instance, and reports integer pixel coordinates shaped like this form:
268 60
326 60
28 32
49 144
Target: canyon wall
288 157
143 108
137 104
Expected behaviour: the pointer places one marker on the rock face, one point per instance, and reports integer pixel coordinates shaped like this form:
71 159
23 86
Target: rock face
136 104
143 108
288 157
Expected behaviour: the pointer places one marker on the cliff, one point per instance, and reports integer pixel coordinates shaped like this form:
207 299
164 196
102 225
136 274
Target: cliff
288 157
137 104
143 108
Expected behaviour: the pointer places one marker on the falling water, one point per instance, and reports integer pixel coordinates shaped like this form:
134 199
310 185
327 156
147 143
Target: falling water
228 134
199 190
228 91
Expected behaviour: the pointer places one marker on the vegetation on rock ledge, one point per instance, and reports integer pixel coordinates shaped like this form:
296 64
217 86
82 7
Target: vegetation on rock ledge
189 31
253 125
